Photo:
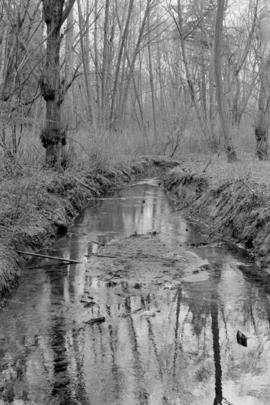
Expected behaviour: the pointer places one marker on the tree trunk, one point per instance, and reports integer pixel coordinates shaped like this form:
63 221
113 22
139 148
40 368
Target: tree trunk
124 35
216 349
202 122
84 42
3 61
236 112
212 108
96 59
203 83
53 137
69 102
223 116
152 87
135 53
262 120
235 103
105 56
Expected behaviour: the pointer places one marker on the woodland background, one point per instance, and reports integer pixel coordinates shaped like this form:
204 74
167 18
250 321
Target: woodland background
92 80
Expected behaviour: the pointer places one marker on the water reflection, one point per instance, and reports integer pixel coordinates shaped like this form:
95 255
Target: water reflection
186 354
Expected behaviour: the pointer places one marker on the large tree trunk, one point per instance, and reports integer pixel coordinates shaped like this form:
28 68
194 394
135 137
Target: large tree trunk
262 119
230 152
53 136
152 87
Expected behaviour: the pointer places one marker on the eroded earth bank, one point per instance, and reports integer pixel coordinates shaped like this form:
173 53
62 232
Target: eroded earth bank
232 205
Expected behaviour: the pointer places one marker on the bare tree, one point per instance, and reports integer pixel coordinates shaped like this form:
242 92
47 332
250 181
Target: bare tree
262 118
238 66
53 136
20 58
119 59
152 87
223 115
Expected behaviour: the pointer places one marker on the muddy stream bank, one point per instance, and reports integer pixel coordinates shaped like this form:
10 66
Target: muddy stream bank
149 316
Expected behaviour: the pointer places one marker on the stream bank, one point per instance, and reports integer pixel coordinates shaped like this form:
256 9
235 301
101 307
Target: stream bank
234 208
38 208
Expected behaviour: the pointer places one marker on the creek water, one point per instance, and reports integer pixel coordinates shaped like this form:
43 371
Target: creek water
186 354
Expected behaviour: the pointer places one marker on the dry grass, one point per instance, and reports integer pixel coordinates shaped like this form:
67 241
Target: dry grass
247 167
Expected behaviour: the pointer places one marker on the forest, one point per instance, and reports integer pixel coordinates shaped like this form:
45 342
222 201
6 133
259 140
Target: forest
80 78
134 202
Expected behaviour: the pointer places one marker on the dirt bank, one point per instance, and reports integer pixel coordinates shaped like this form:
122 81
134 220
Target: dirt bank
236 208
37 208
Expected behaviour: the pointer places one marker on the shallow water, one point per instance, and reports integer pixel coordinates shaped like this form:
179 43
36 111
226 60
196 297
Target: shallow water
159 345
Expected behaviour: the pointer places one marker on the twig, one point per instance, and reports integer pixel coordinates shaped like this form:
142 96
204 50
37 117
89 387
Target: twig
61 259
247 185
207 165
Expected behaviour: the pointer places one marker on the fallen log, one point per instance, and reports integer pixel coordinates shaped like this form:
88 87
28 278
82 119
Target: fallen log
61 259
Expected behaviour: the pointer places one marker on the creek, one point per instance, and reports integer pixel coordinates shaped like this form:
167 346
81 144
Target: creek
168 343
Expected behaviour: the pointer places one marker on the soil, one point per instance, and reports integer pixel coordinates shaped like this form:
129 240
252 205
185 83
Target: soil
233 203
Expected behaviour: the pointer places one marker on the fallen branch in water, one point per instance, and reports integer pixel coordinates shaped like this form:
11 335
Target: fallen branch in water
61 259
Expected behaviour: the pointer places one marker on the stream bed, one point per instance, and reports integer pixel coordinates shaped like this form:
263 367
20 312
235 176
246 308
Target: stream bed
148 317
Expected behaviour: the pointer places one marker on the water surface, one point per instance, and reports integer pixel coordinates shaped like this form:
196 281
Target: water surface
186 354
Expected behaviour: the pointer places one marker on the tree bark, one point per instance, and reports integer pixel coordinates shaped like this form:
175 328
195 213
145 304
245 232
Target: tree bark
135 53
68 108
96 58
105 56
223 116
119 58
84 42
53 136
3 61
262 119
152 87
202 122
236 114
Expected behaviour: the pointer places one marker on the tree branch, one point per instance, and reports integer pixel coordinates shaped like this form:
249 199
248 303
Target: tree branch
67 10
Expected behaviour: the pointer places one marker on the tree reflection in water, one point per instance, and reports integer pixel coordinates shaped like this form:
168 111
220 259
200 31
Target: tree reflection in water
216 275
216 350
186 354
141 393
